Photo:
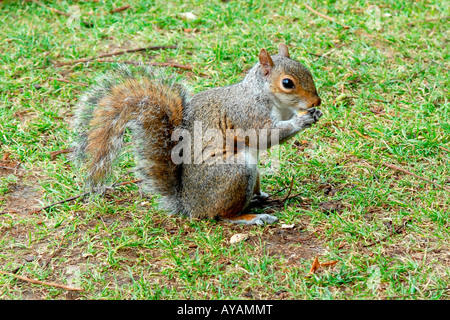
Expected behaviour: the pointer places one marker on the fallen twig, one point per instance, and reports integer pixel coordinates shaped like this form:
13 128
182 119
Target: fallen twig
295 196
82 195
426 290
279 201
362 136
445 149
125 183
416 73
325 16
60 202
169 64
373 36
15 168
51 284
158 64
115 54
378 100
394 231
440 64
125 7
52 9
328 53
290 190
9 168
81 84
323 56
278 191
283 200
45 265
334 49
410 24
9 211
391 166
53 154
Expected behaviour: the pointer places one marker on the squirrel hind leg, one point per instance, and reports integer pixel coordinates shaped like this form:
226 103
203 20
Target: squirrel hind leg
249 218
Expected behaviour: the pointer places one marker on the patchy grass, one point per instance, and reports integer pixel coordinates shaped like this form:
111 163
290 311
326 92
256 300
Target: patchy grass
384 85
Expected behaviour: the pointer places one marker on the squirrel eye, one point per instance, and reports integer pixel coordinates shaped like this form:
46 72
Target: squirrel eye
288 84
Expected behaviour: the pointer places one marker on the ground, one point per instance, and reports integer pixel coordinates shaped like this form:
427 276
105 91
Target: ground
365 190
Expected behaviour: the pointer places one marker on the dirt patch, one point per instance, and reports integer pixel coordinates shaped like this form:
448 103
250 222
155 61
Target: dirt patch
22 198
22 192
292 244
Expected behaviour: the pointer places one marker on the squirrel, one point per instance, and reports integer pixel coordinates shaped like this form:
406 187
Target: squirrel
277 95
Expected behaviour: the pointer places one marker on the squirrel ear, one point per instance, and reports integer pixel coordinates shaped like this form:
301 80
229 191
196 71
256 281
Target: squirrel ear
283 50
266 62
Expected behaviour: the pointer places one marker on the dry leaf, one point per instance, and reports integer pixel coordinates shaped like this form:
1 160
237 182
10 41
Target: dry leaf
362 135
329 263
341 97
314 266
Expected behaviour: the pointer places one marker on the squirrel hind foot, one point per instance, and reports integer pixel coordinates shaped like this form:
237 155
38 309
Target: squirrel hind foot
258 219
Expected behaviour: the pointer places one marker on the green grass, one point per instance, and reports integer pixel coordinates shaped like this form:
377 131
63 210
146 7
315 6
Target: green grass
384 86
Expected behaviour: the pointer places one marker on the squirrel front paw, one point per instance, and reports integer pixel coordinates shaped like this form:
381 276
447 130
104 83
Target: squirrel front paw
309 118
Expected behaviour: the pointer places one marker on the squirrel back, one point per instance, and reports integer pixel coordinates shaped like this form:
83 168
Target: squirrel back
151 106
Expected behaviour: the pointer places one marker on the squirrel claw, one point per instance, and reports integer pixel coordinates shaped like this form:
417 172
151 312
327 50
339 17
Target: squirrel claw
310 117
315 113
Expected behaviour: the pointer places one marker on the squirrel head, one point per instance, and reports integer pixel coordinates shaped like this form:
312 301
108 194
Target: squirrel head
290 83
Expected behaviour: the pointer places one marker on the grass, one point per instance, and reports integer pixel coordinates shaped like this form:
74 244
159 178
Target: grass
384 86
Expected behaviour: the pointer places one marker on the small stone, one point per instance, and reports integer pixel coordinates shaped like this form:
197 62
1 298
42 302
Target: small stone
29 258
188 16
238 237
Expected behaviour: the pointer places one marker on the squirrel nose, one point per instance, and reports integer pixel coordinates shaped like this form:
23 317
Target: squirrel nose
316 102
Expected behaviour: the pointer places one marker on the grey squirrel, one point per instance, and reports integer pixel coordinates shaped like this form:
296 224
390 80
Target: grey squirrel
267 100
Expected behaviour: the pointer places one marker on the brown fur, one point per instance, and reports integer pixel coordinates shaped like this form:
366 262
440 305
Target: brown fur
123 104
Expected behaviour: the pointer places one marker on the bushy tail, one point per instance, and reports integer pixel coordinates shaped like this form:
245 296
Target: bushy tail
151 107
